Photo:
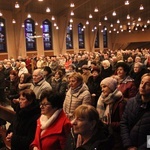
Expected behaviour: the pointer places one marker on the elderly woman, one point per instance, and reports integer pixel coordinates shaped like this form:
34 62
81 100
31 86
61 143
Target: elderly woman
77 94
22 130
138 71
110 107
53 126
126 83
90 131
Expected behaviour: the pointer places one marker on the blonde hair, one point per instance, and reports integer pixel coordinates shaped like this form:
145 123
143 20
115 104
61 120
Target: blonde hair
77 76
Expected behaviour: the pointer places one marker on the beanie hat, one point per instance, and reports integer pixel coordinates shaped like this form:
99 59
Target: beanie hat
110 82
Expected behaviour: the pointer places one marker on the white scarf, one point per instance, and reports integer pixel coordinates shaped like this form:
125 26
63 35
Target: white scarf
46 122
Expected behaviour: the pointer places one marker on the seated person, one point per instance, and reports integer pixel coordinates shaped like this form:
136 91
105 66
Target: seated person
22 130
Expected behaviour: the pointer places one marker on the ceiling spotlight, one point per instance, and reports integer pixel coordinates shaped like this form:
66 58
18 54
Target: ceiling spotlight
141 7
1 24
96 9
71 20
13 21
48 10
102 31
90 16
57 28
1 13
17 5
55 24
145 26
87 22
117 32
72 13
105 18
36 23
100 24
84 27
114 13
148 21
139 19
22 25
126 2
40 0
110 31
53 18
118 21
28 16
120 26
121 30
136 28
114 29
142 29
128 16
72 5
111 25
129 23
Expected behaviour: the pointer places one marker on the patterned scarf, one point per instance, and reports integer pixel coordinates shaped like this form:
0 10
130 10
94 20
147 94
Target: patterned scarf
104 104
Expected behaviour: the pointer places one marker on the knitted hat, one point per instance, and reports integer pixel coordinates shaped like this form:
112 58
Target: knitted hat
110 82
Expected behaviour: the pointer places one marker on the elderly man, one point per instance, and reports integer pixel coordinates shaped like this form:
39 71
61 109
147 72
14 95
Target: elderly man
135 124
39 84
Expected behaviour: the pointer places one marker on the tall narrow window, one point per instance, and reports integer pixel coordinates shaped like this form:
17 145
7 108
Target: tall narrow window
105 37
3 46
97 40
30 35
47 35
69 37
81 36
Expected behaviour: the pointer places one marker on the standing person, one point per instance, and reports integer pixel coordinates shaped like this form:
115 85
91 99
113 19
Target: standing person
135 123
39 84
77 94
22 130
90 131
53 126
110 107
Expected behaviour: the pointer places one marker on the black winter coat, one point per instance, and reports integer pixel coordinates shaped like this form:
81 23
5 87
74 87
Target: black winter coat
24 126
135 123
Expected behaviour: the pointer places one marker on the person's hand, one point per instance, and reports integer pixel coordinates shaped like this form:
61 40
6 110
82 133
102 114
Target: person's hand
132 148
35 148
9 136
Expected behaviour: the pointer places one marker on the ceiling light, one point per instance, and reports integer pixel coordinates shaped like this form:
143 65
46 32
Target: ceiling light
87 22
72 5
1 24
128 16
13 21
102 31
90 16
71 20
72 13
148 21
129 30
57 28
1 13
114 13
129 23
105 28
126 2
136 28
92 30
117 32
48 10
110 31
96 9
139 19
114 29
120 26
111 25
84 27
95 28
145 26
22 25
36 23
100 24
40 0
53 18
141 7
28 16
55 24
142 29
121 30
17 5
118 21
41 26
105 18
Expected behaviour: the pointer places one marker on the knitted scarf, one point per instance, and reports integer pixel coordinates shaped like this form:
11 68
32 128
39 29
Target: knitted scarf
46 122
104 104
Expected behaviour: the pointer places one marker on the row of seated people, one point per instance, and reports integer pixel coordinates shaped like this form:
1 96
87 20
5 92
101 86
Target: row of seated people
53 122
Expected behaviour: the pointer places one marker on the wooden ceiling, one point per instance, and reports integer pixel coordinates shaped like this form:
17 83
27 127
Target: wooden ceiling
83 8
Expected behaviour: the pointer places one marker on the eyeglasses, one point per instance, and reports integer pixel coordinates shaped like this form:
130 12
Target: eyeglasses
44 104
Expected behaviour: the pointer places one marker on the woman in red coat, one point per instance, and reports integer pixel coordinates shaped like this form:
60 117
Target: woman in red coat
53 126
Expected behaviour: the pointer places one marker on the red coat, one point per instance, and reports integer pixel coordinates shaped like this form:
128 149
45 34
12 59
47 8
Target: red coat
54 137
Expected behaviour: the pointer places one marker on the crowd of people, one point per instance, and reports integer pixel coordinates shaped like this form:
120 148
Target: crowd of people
82 101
